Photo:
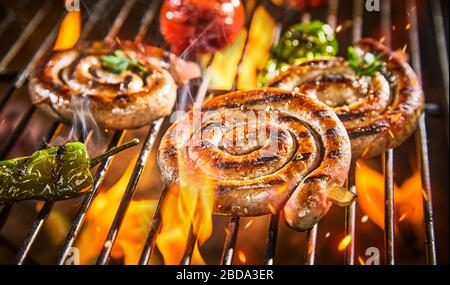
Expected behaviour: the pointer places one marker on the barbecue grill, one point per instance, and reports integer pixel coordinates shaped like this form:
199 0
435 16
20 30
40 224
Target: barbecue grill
16 64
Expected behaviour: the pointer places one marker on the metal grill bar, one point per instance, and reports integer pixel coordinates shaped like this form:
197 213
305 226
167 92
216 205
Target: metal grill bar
129 192
7 209
190 244
154 228
388 157
311 240
37 226
151 136
21 78
48 206
230 240
146 20
311 234
350 212
271 241
439 29
29 29
200 97
81 215
421 139
103 169
388 166
15 134
233 226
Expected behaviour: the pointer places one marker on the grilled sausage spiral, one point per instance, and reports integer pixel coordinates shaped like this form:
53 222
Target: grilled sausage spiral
263 150
379 112
116 101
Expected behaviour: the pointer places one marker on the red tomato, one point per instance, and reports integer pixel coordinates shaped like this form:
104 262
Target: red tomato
200 26
302 4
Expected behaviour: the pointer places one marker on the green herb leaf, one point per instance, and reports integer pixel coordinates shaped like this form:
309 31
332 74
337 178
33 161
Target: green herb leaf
119 62
364 63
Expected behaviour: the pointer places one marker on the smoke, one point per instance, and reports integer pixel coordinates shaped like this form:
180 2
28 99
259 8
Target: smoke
83 123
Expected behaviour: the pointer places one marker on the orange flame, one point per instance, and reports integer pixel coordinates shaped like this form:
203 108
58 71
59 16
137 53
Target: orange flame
407 197
187 207
134 229
257 52
69 31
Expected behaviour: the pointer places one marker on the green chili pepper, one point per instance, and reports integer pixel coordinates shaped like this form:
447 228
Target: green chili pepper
301 41
55 173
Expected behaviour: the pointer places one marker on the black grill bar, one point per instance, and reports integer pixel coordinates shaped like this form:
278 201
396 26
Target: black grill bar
147 19
439 29
200 96
350 212
149 245
230 241
388 158
311 240
388 166
421 138
7 209
22 77
15 134
48 206
129 192
271 240
190 244
29 29
311 234
120 19
103 169
37 225
87 201
233 226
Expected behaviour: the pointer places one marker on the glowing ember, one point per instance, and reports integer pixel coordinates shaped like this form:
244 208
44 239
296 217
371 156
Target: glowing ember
366 150
364 219
402 217
248 224
396 117
345 242
272 209
391 134
69 31
241 256
361 260
327 235
404 48
408 26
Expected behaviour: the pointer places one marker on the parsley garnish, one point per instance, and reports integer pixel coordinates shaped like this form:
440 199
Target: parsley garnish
364 64
119 61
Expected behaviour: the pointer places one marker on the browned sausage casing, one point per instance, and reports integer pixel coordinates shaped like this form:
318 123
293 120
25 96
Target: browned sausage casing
263 150
378 112
116 101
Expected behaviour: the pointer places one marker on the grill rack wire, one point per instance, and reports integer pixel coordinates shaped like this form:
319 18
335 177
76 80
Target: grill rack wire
19 80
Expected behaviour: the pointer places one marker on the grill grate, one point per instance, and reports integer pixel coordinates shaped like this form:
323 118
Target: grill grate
20 81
